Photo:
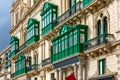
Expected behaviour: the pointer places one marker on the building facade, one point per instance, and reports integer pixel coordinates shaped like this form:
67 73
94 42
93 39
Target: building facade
65 40
5 64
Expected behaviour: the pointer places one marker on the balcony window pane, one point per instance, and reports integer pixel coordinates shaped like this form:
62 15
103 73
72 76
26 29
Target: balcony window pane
82 38
75 37
70 40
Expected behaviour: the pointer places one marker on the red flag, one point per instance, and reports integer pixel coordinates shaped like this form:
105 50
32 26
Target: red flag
27 60
71 77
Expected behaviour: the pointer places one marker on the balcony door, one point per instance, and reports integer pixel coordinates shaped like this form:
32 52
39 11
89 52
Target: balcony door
35 60
102 30
72 6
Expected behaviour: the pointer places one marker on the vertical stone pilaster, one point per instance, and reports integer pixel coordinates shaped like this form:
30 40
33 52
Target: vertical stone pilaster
75 70
60 74
79 76
56 74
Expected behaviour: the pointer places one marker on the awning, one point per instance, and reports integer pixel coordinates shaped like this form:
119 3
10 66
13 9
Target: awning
71 77
66 62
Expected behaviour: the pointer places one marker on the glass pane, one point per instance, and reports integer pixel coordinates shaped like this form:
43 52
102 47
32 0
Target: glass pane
70 40
59 46
56 46
66 42
43 23
75 37
62 44
36 31
50 17
82 38
54 16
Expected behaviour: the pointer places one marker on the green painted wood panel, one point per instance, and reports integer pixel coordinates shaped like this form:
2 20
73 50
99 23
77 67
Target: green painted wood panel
68 42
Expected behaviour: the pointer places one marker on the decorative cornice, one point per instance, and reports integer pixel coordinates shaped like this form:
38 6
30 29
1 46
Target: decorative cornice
30 10
5 50
107 73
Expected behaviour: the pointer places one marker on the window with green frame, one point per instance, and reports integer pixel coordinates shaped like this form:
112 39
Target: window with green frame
6 56
69 41
9 63
5 65
9 54
52 76
87 2
102 28
20 65
72 6
49 15
35 59
32 31
102 66
14 46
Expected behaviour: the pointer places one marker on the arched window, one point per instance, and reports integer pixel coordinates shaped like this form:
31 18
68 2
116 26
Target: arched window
102 25
99 28
105 24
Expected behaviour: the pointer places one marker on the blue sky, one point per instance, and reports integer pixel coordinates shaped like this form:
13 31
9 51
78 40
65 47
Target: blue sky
5 23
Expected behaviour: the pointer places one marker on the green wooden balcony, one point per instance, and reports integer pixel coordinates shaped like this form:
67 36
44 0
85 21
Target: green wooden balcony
14 45
32 40
69 42
46 61
99 40
32 31
13 53
68 52
47 29
87 2
21 71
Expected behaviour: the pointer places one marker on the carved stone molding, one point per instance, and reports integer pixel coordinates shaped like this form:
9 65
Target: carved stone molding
107 73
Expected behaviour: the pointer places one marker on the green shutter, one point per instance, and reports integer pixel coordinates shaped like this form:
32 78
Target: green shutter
102 66
52 76
103 63
105 25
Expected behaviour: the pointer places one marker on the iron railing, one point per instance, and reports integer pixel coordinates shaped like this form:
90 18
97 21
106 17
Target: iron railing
68 13
46 61
101 39
22 46
33 67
